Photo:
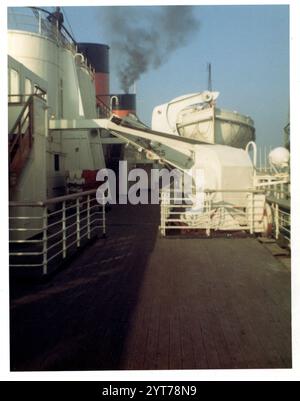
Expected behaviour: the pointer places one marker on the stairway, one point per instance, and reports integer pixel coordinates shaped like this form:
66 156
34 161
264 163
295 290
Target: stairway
103 110
20 141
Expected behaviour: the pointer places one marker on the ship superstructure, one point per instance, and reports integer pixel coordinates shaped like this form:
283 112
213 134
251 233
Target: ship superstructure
48 61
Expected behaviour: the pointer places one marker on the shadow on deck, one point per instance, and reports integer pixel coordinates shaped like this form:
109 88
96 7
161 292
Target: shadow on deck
136 301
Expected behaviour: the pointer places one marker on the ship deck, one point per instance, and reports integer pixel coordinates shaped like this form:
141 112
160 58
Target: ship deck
138 301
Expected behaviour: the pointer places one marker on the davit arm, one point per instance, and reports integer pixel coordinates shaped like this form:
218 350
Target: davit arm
174 150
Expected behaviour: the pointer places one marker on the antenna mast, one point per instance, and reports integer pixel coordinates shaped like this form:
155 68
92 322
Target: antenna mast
209 83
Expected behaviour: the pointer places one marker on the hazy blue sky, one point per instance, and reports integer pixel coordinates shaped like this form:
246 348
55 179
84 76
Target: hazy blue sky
248 47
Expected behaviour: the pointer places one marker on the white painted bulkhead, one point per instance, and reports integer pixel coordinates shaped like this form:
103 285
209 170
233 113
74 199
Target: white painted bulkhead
71 94
33 183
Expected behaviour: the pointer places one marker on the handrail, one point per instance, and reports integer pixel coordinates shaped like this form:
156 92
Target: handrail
21 115
104 105
284 203
209 191
20 141
38 92
51 201
44 238
44 26
242 210
64 28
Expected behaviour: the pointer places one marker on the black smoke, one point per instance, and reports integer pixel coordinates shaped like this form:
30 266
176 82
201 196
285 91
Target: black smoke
143 38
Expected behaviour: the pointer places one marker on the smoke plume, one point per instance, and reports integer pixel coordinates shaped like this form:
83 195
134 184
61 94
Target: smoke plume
143 38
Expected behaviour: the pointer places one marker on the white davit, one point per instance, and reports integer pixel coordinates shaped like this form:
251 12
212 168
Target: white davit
196 116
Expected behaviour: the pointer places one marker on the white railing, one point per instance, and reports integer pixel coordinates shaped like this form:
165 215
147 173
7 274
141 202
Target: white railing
43 234
34 19
277 188
282 221
280 192
226 210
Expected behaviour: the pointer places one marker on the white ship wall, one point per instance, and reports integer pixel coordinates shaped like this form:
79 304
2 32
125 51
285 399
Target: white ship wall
87 89
53 64
32 182
71 95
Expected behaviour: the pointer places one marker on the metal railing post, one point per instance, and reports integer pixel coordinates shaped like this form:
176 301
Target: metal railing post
56 236
276 221
45 240
78 222
252 212
166 215
88 205
209 217
64 241
103 218
162 215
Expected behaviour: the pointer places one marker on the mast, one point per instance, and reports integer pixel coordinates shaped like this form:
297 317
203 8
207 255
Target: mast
209 81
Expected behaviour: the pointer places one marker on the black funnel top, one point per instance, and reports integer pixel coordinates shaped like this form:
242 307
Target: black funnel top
127 101
97 54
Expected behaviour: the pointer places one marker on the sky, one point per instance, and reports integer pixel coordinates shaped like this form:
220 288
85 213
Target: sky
248 47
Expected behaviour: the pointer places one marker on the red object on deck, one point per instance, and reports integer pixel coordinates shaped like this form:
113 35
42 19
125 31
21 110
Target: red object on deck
90 179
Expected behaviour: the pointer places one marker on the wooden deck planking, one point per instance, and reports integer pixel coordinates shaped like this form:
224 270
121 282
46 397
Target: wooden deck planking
175 349
262 295
224 303
259 293
137 301
228 302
